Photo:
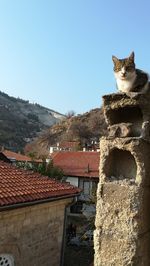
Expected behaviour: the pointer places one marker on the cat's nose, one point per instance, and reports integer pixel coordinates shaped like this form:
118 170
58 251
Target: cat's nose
123 74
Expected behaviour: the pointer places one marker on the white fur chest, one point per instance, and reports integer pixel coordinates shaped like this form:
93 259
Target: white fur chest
125 85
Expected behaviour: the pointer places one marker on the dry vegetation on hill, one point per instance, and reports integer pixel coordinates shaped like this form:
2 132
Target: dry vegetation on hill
86 128
33 128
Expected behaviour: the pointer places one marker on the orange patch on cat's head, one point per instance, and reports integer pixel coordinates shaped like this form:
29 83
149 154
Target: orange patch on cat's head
128 62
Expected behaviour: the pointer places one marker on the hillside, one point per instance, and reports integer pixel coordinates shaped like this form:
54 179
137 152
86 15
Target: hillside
85 129
21 121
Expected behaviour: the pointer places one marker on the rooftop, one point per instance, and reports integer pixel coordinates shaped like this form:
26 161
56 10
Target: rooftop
21 186
80 164
17 156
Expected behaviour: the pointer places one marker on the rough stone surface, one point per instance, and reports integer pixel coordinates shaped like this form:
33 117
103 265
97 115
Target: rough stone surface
139 151
122 235
33 235
123 225
119 108
121 130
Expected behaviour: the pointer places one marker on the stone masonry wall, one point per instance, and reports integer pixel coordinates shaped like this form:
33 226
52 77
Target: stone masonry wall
122 235
33 235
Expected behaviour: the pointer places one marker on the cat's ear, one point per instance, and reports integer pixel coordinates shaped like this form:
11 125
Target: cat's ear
131 57
115 59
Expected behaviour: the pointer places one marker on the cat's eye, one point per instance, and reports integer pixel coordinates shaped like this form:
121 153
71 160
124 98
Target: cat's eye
128 68
117 69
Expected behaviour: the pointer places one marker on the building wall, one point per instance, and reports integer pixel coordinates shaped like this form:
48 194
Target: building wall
33 235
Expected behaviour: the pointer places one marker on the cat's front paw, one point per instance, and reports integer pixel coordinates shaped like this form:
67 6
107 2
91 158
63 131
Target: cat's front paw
133 95
120 92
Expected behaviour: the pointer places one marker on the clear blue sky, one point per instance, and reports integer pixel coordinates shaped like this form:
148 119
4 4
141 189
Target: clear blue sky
58 52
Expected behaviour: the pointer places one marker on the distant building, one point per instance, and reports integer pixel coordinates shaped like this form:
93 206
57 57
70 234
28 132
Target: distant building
81 169
21 160
65 146
32 217
18 157
4 158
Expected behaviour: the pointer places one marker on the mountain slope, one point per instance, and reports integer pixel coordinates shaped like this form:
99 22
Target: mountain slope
86 129
21 121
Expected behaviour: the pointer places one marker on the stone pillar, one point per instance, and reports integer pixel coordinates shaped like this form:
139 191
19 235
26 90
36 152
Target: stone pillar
122 235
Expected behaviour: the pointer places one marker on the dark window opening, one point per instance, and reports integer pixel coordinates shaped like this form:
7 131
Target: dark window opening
77 207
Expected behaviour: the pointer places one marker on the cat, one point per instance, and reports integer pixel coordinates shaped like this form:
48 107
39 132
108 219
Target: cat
128 77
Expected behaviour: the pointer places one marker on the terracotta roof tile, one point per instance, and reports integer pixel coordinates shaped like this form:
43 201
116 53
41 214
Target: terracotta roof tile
69 144
80 164
18 156
18 186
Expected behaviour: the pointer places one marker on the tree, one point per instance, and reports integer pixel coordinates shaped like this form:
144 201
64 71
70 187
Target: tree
70 114
48 169
80 130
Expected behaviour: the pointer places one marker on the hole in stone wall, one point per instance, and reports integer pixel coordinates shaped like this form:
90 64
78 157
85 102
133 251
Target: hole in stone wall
131 114
119 165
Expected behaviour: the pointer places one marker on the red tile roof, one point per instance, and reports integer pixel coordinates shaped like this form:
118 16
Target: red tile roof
69 144
18 156
20 186
79 164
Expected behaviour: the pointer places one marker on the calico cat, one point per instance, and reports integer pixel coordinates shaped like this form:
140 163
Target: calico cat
128 78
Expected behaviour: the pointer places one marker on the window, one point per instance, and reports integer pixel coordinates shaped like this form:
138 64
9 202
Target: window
86 187
77 207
